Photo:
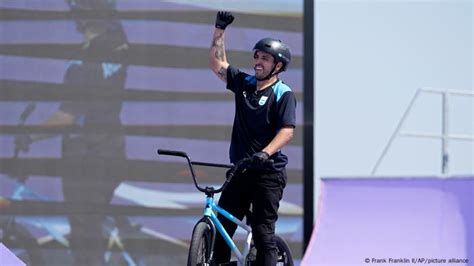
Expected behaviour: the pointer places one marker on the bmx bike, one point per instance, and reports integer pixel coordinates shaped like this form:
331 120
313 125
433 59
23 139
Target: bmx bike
206 229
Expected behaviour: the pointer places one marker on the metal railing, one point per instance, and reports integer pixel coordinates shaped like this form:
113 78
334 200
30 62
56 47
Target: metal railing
444 135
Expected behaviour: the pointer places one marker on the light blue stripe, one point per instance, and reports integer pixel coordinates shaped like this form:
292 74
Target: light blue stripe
109 69
73 62
251 79
279 89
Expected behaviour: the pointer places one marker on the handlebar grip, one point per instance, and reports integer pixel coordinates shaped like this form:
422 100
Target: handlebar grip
172 153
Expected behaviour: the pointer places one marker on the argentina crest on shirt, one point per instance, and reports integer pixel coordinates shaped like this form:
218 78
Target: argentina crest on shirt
263 100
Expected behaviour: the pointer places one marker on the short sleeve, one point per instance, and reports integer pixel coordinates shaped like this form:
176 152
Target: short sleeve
73 77
287 110
235 79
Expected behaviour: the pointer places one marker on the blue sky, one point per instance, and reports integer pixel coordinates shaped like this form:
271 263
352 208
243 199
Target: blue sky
371 57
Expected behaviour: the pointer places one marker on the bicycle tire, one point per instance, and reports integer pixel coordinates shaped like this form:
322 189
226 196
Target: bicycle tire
284 255
200 248
283 252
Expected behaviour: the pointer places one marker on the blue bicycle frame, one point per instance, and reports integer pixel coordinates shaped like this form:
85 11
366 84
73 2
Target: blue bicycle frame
211 206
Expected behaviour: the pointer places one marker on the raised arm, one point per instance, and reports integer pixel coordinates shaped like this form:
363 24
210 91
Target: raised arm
217 58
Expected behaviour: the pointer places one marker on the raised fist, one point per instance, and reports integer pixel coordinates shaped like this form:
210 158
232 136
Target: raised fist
223 19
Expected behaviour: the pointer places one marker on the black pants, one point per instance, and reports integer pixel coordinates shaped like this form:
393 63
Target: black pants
86 186
264 191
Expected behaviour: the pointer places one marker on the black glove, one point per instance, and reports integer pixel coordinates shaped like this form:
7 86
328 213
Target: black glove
259 159
22 142
223 19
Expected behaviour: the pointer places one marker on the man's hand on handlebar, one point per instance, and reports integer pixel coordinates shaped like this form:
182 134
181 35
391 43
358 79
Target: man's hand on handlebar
259 159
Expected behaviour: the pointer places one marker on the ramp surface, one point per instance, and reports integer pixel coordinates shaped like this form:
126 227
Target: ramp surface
402 221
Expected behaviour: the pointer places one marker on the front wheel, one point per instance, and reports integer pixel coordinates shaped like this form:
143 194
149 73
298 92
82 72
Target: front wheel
283 252
200 248
284 256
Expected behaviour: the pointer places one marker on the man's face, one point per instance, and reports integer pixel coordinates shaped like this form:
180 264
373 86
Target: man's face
263 64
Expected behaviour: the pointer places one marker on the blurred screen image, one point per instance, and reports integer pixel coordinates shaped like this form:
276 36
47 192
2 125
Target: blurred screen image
90 90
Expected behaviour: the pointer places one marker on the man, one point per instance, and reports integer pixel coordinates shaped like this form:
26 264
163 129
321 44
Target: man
96 180
92 180
264 122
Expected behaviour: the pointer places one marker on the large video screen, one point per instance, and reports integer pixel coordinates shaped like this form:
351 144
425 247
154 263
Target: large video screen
89 90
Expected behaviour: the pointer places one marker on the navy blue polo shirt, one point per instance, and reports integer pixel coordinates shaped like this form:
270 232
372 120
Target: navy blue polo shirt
92 115
259 115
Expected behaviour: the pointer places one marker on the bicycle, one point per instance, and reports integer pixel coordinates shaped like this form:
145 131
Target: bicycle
15 233
205 230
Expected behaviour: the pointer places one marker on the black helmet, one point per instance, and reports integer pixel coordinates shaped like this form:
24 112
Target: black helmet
100 13
277 48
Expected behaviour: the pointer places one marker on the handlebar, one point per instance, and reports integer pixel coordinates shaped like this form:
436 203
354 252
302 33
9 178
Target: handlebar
172 153
230 174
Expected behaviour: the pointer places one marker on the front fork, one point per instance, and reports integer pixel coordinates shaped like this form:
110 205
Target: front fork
208 220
